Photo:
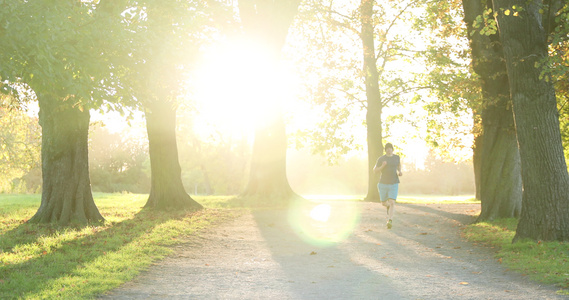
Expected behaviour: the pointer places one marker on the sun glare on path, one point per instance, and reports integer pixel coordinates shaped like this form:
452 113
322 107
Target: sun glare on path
321 212
324 224
237 84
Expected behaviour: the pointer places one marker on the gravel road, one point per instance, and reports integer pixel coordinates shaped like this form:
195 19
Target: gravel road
336 250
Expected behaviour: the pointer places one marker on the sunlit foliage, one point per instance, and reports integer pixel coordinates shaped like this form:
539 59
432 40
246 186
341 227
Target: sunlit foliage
118 162
456 95
20 137
328 34
556 68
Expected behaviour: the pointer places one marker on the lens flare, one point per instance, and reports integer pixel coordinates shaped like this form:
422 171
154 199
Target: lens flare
321 212
324 224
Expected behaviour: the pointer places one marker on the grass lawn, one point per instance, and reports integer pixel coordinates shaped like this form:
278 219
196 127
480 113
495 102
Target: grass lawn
546 262
47 261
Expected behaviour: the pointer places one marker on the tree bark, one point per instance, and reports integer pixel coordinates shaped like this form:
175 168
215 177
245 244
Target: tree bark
500 183
66 189
166 190
545 198
476 159
500 173
267 176
269 21
374 105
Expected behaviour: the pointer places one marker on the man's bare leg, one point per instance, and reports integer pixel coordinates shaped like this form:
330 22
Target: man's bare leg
390 204
390 208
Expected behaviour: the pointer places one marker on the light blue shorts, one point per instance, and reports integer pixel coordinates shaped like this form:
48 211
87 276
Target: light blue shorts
387 191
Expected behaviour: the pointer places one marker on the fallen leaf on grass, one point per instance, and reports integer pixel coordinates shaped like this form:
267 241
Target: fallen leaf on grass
423 233
312 253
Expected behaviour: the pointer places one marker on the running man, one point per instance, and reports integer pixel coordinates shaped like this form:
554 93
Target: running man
389 165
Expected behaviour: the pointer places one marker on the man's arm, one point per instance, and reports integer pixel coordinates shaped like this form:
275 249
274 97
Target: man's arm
377 169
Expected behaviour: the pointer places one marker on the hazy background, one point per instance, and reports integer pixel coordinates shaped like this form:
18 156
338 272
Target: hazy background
217 163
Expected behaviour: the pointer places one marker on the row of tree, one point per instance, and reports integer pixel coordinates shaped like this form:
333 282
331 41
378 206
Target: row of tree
114 55
80 55
520 139
211 164
122 55
518 151
517 54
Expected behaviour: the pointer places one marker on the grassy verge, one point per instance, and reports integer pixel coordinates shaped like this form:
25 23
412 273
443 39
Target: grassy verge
546 262
414 199
423 199
47 261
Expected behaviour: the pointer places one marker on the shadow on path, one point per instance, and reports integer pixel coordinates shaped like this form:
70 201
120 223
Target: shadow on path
336 250
310 255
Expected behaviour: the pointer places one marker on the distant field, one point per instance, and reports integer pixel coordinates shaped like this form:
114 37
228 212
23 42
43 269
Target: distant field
437 199
117 199
401 198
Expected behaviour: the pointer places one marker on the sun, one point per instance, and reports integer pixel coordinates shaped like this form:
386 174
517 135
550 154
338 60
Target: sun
236 86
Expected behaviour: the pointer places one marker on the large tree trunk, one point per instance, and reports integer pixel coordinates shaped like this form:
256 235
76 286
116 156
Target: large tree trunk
545 200
166 191
476 159
374 105
66 190
500 175
268 22
267 176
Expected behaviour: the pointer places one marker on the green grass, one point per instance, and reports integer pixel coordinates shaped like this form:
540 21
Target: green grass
546 262
423 199
415 199
47 261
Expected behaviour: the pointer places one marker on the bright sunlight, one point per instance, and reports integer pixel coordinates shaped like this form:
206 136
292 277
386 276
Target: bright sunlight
324 224
238 85
321 212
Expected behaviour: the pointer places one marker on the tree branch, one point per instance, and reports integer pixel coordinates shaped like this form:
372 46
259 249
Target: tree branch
393 24
405 91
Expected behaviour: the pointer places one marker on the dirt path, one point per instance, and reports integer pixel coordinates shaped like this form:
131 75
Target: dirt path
351 256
